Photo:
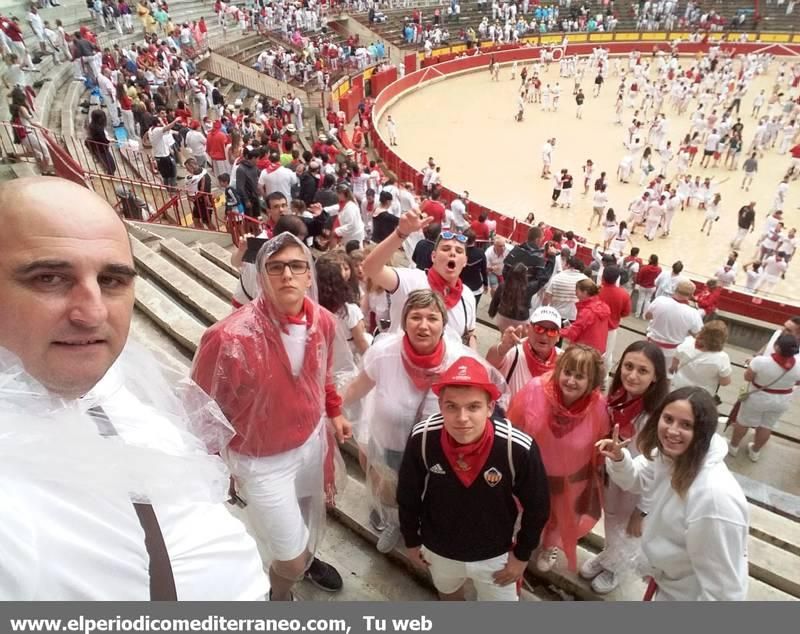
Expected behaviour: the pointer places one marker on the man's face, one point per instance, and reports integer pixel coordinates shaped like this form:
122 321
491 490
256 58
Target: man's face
449 259
277 208
67 286
288 289
465 411
542 338
791 328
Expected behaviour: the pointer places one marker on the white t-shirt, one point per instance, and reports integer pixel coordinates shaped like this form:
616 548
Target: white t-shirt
672 321
494 262
58 543
521 375
196 143
458 209
281 180
159 142
344 351
395 400
460 318
700 367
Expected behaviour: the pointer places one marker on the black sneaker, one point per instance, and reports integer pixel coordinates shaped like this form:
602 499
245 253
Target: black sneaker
324 576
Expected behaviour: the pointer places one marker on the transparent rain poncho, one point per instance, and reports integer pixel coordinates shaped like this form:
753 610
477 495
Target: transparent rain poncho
160 443
395 404
283 438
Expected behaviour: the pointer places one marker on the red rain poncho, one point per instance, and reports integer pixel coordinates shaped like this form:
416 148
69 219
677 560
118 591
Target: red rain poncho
566 439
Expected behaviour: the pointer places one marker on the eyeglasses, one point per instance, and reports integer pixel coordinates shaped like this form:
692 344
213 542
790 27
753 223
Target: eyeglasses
550 332
297 267
451 235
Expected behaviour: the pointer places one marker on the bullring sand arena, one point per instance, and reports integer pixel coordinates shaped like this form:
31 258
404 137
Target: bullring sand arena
466 122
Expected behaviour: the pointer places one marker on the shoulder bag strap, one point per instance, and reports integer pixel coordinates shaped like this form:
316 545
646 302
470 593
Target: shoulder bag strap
513 364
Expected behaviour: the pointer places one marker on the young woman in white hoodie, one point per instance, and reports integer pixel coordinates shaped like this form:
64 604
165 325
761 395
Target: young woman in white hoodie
695 533
640 384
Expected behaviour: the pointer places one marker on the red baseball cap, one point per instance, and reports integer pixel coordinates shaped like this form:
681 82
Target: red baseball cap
467 372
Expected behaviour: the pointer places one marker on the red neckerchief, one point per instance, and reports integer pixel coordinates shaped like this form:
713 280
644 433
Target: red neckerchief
422 369
787 363
300 318
450 294
623 412
536 366
564 417
467 460
304 318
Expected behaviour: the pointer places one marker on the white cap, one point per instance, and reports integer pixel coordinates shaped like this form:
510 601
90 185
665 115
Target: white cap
546 313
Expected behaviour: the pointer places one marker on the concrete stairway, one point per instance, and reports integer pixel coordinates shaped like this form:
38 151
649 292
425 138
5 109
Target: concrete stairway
185 285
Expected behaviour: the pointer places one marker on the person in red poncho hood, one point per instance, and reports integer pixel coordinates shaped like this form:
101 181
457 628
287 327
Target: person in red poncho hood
592 323
282 457
449 258
565 413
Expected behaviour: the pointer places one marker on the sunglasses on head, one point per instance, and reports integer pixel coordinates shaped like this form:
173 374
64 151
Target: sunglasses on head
541 330
451 235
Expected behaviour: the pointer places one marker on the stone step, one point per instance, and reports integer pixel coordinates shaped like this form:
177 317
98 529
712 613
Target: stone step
220 281
219 255
179 325
631 588
70 107
202 303
775 529
148 333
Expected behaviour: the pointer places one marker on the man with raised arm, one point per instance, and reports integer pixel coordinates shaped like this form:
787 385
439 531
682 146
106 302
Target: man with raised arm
444 277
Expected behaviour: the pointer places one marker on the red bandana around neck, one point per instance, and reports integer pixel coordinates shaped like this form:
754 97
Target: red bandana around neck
624 412
303 318
422 369
468 460
536 366
450 294
787 363
565 417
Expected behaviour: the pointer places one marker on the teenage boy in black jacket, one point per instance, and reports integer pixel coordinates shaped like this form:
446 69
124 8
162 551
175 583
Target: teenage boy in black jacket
463 481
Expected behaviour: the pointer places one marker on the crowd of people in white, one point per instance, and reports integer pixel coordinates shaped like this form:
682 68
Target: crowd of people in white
664 162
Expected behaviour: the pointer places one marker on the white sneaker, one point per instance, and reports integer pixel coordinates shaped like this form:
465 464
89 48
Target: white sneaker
605 582
389 538
733 450
547 559
752 453
591 568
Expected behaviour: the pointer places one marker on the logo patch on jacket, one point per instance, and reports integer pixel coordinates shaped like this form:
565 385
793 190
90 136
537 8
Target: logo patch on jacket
437 469
492 477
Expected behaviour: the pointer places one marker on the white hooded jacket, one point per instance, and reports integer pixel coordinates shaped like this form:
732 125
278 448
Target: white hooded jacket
697 545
